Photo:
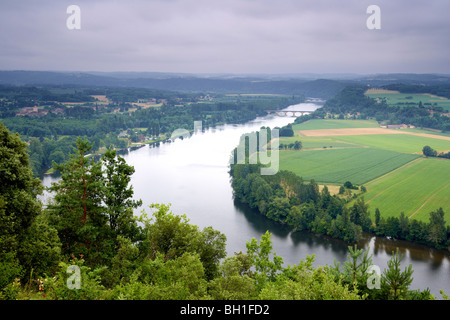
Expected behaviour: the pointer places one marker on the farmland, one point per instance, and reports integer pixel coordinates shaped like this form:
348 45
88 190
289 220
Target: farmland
405 99
398 178
336 166
416 189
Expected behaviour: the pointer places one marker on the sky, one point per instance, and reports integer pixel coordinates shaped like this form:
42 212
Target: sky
226 36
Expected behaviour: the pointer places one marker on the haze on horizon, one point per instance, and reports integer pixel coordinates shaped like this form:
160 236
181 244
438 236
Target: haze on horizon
226 36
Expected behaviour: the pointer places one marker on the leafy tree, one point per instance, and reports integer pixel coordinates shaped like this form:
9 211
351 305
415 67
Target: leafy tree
437 233
304 282
377 217
118 195
172 235
287 131
360 215
266 263
234 281
19 205
429 152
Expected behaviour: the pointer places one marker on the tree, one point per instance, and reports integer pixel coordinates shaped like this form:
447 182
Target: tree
429 152
349 185
437 233
19 205
118 195
77 212
287 131
172 236
355 269
395 281
260 257
360 215
297 145
377 217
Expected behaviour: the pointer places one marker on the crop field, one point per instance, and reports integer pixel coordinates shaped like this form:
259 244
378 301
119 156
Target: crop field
391 166
336 166
406 143
317 124
417 188
405 99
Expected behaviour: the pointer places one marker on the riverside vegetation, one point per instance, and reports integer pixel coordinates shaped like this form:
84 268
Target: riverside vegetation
90 224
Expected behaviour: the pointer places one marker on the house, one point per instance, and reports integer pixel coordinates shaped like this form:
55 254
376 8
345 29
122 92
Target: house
397 126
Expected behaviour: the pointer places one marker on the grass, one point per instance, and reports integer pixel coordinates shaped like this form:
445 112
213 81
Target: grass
336 166
397 142
315 143
316 124
397 177
403 99
417 188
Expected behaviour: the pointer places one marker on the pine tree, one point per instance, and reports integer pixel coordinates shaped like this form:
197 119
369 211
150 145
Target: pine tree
93 204
77 211
395 281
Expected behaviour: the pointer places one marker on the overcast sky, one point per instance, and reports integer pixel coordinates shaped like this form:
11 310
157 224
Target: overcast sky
226 36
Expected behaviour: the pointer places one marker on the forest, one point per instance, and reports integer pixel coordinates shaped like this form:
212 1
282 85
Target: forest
88 245
51 134
352 101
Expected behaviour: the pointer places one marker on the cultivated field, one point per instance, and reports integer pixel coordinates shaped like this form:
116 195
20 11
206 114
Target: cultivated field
317 124
336 166
405 99
389 163
345 132
417 188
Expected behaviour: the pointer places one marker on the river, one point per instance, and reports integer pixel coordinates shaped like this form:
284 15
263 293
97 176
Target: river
192 175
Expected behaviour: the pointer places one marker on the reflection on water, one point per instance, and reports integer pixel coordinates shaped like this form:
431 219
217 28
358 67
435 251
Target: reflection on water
192 175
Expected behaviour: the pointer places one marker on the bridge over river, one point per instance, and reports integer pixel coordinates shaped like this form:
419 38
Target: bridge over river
288 113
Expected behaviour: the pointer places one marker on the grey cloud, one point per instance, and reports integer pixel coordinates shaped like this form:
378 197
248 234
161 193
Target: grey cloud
226 36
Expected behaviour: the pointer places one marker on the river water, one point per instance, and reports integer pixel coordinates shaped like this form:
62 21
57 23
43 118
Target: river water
192 175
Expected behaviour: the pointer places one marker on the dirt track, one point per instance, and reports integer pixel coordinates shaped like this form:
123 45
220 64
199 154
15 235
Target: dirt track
364 131
345 132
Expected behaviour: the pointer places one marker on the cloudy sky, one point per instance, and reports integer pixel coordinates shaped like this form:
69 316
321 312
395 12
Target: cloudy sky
226 36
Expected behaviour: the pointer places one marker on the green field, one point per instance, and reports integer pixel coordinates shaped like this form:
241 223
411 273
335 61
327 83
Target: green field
405 99
397 176
336 166
397 142
317 124
417 188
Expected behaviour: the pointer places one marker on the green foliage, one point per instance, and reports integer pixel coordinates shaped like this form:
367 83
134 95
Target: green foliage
285 198
429 152
235 280
394 281
19 207
304 282
92 205
172 236
56 288
266 267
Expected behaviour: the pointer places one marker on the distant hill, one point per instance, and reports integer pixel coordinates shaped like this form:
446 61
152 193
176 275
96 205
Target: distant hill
309 85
